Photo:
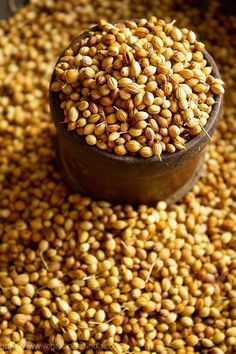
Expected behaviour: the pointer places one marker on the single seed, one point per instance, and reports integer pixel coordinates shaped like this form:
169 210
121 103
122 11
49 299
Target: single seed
133 146
135 69
157 149
91 139
133 88
146 152
174 131
141 116
71 76
121 115
148 98
218 89
63 305
112 82
154 109
73 114
20 319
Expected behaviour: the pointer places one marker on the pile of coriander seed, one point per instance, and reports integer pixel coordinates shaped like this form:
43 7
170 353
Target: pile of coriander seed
79 276
137 88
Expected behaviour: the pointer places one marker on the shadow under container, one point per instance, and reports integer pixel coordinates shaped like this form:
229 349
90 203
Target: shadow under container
126 179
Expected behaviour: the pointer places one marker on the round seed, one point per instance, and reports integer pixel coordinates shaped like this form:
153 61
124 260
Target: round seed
133 146
71 76
146 152
121 115
73 114
218 89
174 131
91 139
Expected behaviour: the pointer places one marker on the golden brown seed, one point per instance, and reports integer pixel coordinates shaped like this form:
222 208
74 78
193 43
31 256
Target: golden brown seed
191 36
91 139
93 284
100 316
133 88
59 341
231 332
158 43
120 150
154 109
135 69
186 73
20 319
141 116
192 122
133 146
177 344
149 70
148 98
174 131
63 305
157 149
56 86
22 279
207 343
171 148
87 73
176 34
27 309
114 136
86 60
73 114
138 283
146 152
192 340
180 93
138 99
167 88
163 123
187 321
201 88
71 76
82 105
141 53
218 89
218 338
195 130
124 94
149 133
135 132
121 115
183 103
112 82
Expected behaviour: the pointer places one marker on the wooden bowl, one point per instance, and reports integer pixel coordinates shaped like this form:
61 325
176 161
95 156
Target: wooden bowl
127 179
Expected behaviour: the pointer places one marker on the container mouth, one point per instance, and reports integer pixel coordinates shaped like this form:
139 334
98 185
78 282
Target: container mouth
195 145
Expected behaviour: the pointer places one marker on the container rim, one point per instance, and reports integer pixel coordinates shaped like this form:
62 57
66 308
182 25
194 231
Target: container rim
192 145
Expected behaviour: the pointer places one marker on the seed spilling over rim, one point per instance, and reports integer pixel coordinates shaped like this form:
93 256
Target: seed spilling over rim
137 88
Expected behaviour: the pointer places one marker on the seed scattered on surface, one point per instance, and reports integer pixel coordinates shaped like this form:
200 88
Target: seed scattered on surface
94 250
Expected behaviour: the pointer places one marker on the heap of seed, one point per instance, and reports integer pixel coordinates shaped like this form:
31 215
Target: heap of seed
76 274
137 88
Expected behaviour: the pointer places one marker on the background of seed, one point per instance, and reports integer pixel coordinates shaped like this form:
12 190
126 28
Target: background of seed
163 280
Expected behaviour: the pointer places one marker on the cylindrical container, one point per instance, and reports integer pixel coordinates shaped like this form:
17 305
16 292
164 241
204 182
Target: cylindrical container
229 6
8 7
127 179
